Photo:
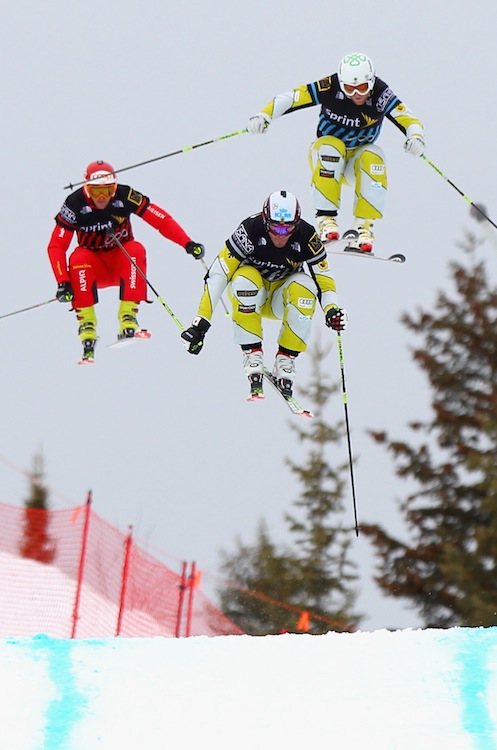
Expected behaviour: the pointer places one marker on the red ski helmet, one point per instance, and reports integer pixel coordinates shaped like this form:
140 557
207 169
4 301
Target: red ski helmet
100 173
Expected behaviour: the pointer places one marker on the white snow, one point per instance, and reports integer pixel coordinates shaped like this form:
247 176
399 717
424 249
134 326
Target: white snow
382 690
35 598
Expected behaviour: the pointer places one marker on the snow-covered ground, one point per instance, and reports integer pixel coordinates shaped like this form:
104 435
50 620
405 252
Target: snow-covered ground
401 690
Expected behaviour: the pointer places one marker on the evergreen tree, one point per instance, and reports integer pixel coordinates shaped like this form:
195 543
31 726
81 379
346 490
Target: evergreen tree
448 571
265 577
36 542
314 574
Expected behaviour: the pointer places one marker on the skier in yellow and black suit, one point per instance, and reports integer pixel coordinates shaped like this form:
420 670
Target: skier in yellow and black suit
263 264
354 103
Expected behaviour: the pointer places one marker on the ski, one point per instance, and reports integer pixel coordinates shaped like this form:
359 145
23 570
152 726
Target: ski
332 247
141 335
290 401
342 243
255 397
395 258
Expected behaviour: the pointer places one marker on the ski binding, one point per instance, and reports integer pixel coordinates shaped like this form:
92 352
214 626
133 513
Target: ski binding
256 392
333 245
140 335
88 357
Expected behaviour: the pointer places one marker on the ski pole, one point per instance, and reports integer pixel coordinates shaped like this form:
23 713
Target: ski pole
164 156
471 203
32 307
347 425
222 300
144 277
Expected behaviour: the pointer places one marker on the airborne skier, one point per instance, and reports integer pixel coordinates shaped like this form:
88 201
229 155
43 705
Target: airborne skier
354 103
263 263
99 213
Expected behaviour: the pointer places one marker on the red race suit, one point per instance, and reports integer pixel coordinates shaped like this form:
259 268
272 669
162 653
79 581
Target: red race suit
98 261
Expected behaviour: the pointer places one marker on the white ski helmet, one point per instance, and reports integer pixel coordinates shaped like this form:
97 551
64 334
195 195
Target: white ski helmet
281 208
356 71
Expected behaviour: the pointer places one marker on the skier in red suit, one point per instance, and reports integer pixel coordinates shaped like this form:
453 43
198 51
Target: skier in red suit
100 214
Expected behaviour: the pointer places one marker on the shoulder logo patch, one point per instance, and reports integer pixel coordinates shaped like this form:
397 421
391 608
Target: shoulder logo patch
135 197
324 84
67 214
315 244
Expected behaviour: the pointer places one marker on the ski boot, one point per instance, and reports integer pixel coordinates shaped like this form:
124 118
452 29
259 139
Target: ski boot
87 332
361 237
129 323
328 228
130 328
253 364
284 372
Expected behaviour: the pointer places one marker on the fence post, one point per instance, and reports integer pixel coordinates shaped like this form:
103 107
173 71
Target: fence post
84 540
124 580
181 599
191 587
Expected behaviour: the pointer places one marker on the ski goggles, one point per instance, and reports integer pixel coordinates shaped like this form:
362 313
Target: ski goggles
101 191
283 230
356 88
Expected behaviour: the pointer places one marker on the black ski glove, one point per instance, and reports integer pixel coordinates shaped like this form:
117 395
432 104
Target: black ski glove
65 292
337 318
193 337
195 249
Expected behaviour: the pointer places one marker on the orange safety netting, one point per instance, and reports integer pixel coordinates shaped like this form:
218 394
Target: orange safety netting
68 573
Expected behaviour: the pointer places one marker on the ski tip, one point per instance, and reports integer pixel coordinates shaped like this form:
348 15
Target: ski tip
142 334
398 258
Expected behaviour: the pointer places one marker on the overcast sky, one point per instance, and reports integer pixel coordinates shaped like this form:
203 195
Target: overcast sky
166 441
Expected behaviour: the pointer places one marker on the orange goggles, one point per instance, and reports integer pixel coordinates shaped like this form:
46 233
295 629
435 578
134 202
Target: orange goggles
358 88
101 191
